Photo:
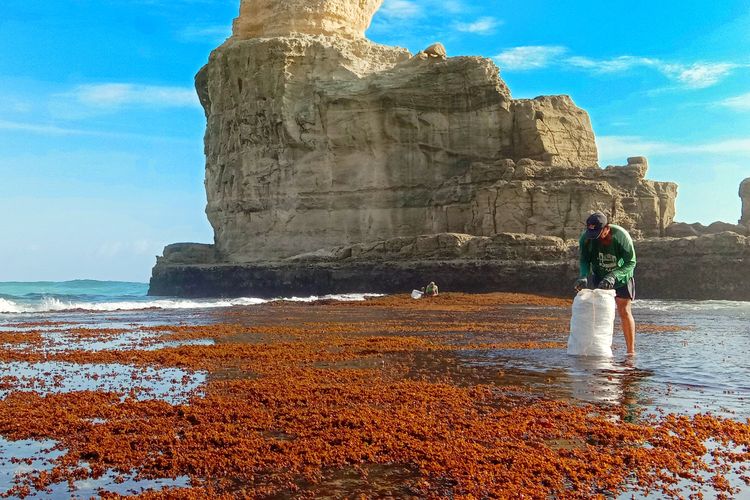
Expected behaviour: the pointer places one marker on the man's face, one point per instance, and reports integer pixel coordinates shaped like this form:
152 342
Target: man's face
593 227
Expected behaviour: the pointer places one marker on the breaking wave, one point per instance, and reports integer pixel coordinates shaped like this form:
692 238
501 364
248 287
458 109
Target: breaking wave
41 297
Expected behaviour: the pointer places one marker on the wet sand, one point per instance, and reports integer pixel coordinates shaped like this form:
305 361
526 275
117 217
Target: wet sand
387 397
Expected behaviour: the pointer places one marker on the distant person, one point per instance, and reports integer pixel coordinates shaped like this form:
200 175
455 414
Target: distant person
431 290
608 261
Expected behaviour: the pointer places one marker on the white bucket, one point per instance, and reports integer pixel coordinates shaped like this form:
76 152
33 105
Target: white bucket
416 294
592 323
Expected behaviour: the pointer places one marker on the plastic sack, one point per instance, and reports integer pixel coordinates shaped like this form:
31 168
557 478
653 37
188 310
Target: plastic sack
416 294
592 323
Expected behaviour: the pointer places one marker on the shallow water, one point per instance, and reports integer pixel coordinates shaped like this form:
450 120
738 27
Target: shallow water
168 384
29 455
699 366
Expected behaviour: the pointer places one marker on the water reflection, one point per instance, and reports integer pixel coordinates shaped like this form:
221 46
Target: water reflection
19 458
172 385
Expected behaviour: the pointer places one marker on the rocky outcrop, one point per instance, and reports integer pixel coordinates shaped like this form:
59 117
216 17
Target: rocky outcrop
541 199
317 137
552 129
188 253
698 267
271 18
745 197
683 229
335 164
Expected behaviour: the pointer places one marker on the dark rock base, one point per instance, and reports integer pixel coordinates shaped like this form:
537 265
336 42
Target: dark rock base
687 277
304 279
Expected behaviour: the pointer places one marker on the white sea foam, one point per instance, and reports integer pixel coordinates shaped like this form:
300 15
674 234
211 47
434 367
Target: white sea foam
52 304
8 306
728 306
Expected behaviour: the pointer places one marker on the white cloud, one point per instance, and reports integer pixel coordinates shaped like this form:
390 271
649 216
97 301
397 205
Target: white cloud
728 146
55 130
44 129
108 249
115 95
697 75
529 56
482 26
740 102
622 146
452 6
400 9
15 105
145 247
612 65
211 34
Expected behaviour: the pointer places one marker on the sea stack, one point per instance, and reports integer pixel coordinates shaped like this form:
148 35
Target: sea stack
322 146
317 137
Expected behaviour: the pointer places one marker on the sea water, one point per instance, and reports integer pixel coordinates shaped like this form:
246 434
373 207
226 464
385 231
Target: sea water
45 306
693 359
106 296
698 364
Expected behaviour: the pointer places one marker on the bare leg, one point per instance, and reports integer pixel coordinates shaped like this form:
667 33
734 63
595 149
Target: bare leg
628 323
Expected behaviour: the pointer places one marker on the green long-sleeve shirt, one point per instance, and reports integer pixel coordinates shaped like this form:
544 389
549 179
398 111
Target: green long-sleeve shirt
617 259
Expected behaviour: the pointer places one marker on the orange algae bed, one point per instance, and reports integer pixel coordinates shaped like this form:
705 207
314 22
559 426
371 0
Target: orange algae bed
283 423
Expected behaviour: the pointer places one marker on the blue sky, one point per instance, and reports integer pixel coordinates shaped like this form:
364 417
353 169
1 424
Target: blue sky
101 155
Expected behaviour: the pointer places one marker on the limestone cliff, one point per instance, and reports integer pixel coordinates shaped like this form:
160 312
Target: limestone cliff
318 137
333 163
270 18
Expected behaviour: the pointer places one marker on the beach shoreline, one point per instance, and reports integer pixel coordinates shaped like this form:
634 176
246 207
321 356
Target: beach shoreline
387 396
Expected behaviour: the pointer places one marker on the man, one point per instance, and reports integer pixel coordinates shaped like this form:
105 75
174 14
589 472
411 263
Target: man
431 290
608 261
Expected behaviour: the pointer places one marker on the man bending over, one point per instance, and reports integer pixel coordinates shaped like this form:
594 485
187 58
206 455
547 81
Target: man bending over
608 261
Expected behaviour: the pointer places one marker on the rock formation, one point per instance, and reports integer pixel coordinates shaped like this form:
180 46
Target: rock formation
745 197
696 267
319 139
682 229
278 18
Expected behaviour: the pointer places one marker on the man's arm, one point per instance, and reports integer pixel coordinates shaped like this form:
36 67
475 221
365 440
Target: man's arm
584 257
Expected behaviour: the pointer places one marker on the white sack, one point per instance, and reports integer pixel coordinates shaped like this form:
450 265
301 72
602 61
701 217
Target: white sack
592 323
416 294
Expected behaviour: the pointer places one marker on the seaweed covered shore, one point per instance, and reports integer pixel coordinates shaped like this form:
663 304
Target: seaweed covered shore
373 398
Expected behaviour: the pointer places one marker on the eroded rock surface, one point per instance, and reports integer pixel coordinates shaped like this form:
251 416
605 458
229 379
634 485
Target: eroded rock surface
683 229
269 18
317 137
332 161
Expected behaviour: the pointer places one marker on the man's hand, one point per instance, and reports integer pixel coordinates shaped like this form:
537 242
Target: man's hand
608 283
580 284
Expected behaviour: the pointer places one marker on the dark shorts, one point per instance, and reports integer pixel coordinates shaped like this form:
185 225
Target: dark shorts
627 291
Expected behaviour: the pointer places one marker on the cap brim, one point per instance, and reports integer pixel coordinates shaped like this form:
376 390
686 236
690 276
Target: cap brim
593 234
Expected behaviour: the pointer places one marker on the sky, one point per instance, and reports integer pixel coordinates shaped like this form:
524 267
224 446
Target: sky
101 133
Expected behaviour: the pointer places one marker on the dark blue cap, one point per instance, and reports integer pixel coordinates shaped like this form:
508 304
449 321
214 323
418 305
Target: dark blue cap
594 225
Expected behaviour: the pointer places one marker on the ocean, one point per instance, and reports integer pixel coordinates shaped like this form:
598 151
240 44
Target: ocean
45 297
692 357
699 363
